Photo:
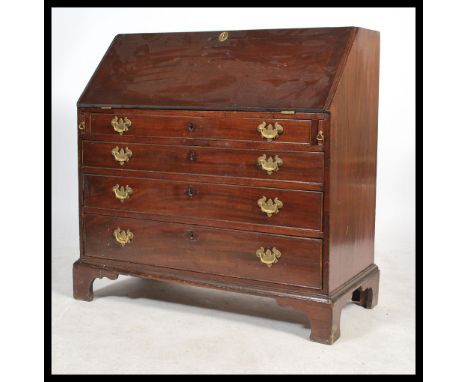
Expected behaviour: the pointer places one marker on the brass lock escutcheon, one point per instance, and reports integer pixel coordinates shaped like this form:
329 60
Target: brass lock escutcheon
123 237
121 125
270 207
223 36
320 138
269 164
121 155
268 131
122 193
269 256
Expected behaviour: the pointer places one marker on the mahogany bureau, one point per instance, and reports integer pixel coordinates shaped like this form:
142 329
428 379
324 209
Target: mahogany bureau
237 160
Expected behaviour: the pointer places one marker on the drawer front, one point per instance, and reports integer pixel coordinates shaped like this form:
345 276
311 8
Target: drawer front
295 261
302 209
243 129
263 164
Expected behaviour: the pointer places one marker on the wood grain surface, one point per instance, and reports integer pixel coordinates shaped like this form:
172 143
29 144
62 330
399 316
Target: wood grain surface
195 103
303 167
209 250
205 201
258 69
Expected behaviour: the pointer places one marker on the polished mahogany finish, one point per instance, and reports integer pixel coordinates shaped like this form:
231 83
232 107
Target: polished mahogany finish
206 201
296 135
195 127
301 167
246 164
207 250
258 69
353 155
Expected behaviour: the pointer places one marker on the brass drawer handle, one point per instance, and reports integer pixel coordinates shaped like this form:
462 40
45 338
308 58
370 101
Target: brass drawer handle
120 155
268 131
123 237
320 138
268 257
269 206
121 125
122 192
269 165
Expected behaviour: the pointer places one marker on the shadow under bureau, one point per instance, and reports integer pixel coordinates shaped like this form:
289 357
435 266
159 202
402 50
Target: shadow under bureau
237 160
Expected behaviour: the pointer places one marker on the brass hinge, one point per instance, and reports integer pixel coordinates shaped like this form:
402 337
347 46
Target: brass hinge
288 112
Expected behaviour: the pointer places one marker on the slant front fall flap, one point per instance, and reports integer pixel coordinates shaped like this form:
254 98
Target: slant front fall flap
244 70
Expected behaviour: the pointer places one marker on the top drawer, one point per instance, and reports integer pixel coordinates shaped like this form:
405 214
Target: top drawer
240 129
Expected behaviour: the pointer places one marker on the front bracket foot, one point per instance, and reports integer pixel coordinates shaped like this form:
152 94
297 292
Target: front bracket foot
83 278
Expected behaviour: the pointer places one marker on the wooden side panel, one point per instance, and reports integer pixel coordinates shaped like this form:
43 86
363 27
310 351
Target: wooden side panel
353 154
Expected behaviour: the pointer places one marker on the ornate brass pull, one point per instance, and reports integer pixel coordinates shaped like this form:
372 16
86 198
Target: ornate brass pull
268 131
270 164
120 155
123 237
268 257
121 125
320 138
122 192
269 206
82 125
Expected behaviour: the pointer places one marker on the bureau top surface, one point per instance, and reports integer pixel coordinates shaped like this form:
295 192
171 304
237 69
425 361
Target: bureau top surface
256 70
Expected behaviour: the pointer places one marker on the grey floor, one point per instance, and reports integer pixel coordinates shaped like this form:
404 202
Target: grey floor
139 326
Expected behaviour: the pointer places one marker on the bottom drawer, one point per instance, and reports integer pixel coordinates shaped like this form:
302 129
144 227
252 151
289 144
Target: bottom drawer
293 261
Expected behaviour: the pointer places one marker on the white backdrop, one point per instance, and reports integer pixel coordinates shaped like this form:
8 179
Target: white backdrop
81 36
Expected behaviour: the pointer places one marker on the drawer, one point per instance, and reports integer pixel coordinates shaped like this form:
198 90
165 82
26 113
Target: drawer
242 129
262 164
209 250
290 208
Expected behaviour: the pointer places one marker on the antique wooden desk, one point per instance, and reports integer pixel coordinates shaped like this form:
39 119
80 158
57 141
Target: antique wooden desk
238 160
